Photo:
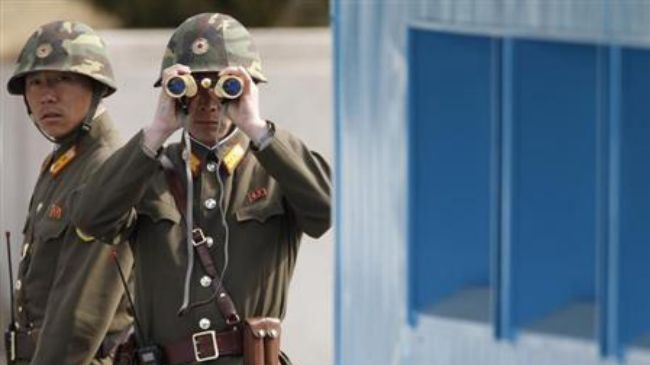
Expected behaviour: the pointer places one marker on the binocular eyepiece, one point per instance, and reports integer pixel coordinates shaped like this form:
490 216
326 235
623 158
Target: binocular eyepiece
227 87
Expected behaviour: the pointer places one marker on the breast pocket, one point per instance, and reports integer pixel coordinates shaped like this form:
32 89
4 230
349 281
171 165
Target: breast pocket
259 229
48 229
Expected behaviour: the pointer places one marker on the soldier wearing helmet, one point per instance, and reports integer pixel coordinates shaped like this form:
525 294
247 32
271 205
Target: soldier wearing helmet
69 301
215 220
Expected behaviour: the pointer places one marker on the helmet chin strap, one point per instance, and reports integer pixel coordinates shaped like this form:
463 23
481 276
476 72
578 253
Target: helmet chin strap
98 93
84 126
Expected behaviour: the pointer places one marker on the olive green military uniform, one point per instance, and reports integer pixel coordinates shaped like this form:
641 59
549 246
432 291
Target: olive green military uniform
67 289
69 300
269 198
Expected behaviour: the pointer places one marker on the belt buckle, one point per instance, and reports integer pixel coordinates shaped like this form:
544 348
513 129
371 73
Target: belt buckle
198 237
197 339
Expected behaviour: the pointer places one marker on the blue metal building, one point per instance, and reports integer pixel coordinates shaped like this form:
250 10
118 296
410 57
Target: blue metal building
493 182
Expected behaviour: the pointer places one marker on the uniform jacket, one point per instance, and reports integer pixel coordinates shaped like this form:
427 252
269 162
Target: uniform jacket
269 199
68 288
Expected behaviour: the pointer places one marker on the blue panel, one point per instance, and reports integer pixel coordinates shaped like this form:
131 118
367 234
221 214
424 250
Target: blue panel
552 249
370 178
335 16
504 319
607 199
634 239
453 118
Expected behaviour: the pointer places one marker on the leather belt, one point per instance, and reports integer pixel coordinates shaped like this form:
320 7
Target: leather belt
204 346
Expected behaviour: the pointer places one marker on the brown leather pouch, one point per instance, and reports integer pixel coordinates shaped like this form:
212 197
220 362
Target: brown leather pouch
262 341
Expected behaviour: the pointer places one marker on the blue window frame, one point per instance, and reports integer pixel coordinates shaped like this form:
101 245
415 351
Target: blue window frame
529 186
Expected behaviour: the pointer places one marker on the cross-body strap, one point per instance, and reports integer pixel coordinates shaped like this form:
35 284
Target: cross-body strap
199 241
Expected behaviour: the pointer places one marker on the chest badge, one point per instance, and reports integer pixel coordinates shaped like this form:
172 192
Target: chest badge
257 194
55 211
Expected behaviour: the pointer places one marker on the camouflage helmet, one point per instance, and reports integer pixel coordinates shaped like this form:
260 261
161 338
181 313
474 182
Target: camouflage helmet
210 42
64 46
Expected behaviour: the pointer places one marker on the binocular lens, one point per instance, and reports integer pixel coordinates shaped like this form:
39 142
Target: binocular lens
229 87
176 86
232 87
181 85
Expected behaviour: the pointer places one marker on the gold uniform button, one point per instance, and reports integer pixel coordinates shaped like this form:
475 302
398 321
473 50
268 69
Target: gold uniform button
210 203
19 284
20 309
39 207
209 241
211 166
206 281
25 250
204 323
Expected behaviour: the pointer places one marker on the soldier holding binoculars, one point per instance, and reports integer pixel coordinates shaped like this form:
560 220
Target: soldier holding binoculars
216 220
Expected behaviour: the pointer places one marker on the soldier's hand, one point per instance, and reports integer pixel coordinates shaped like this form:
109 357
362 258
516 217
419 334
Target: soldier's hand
165 121
245 111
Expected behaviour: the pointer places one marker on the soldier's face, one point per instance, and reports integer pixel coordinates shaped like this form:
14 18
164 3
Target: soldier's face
58 100
204 112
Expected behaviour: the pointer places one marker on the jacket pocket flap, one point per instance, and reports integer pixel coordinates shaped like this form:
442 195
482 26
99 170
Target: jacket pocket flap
50 229
260 211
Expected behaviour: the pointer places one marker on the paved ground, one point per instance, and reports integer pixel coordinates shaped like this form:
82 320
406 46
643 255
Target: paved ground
298 97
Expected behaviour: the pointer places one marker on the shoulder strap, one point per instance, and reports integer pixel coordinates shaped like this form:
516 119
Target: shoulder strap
223 299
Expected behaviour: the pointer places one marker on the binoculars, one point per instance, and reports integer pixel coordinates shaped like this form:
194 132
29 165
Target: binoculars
227 87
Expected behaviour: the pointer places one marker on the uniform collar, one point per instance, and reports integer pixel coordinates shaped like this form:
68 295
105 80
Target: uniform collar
230 151
100 127
64 153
